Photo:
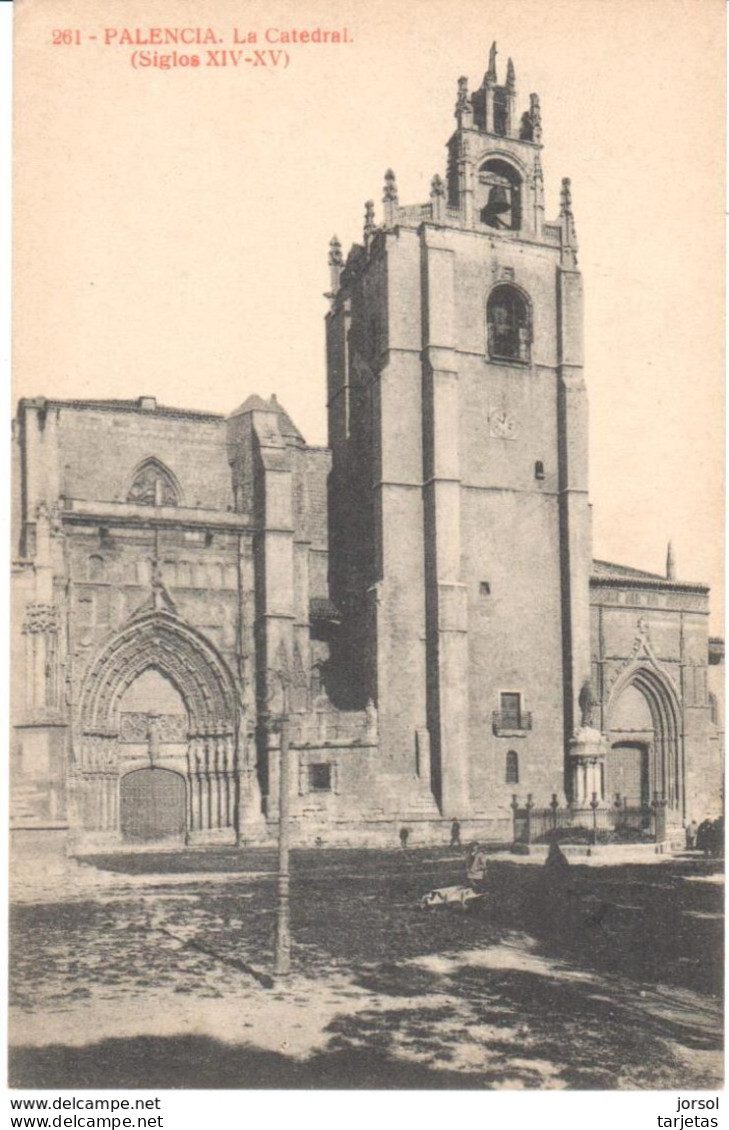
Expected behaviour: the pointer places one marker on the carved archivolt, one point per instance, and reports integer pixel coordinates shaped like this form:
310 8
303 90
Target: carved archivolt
158 639
641 655
659 688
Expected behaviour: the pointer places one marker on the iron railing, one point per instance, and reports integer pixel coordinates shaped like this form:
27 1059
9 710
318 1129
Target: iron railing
508 722
589 824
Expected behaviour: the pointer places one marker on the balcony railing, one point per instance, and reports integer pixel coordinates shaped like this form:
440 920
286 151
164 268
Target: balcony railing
506 722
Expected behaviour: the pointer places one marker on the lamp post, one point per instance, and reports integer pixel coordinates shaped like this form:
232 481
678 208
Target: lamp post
593 805
280 720
282 958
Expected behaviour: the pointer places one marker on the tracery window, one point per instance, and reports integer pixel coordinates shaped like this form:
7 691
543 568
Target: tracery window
153 485
508 322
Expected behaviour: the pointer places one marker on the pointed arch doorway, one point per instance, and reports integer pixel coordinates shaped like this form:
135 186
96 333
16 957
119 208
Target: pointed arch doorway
157 756
644 731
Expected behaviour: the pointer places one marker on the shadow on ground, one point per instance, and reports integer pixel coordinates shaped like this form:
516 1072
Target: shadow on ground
194 1061
603 978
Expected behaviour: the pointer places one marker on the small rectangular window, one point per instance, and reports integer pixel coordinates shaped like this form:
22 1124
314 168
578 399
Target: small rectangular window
320 778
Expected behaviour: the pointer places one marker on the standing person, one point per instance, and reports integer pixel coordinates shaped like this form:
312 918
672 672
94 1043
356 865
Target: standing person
556 860
476 866
691 830
455 834
404 836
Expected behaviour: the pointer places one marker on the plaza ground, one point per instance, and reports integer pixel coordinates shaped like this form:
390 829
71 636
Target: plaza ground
154 970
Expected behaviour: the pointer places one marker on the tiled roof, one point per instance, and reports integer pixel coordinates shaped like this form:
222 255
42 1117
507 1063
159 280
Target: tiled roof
610 569
255 403
610 575
120 406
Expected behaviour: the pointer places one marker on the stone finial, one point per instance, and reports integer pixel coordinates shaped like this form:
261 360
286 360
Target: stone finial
335 252
510 76
390 192
369 221
567 224
565 198
535 117
670 563
464 109
335 264
538 185
531 121
490 76
390 198
437 198
535 111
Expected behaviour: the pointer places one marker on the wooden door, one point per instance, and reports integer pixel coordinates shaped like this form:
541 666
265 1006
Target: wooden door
627 773
152 806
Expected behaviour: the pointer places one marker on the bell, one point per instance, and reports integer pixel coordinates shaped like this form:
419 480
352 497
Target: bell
498 200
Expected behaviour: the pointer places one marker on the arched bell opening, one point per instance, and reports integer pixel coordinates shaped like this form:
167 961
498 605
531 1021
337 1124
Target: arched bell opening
499 195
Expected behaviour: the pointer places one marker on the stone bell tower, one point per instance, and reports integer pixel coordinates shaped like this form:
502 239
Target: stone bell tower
460 527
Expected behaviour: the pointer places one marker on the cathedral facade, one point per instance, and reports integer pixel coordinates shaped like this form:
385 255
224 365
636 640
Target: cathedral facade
417 605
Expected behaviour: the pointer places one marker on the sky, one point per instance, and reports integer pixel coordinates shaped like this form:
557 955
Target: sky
172 225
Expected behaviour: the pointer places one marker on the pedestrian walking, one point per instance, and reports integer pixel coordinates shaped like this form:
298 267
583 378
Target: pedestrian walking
455 834
404 836
691 832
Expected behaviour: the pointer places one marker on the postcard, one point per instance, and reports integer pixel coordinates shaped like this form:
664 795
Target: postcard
367 558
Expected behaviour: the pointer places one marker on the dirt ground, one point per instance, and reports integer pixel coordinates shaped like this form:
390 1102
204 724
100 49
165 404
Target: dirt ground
154 971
